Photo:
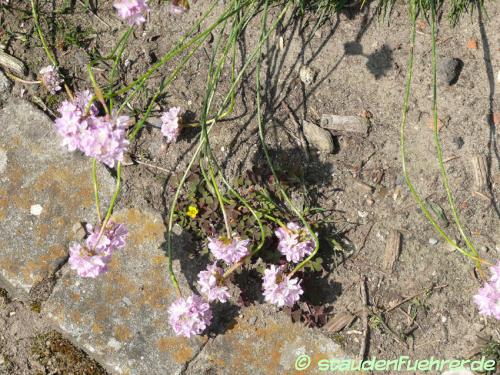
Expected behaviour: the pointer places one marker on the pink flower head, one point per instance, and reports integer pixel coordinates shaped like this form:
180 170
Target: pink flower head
488 297
72 125
85 262
189 316
113 238
92 259
280 289
105 139
170 125
294 242
230 250
51 79
132 11
211 284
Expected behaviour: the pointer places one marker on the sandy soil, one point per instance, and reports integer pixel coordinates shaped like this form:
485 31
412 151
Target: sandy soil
359 63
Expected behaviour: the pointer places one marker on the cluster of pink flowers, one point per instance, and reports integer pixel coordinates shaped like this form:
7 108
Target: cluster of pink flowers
51 79
92 258
100 137
488 297
132 11
211 284
230 250
279 289
294 242
171 125
190 316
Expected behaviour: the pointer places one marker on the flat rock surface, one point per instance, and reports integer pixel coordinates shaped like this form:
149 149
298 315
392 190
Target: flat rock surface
264 341
121 317
44 191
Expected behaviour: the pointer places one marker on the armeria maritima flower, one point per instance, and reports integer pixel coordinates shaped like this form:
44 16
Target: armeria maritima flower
295 242
488 297
132 11
100 137
171 125
51 79
279 289
189 316
212 285
105 139
91 260
230 250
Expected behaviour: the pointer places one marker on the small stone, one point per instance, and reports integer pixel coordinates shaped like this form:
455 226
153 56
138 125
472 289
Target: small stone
306 75
472 43
343 124
36 210
317 137
433 241
448 70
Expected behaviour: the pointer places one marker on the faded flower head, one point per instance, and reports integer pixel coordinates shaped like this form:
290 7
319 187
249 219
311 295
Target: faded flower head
91 260
212 285
488 297
295 242
51 79
230 250
100 137
279 289
132 11
170 124
189 316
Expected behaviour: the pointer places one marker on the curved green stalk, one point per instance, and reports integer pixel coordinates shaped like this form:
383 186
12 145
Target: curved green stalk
171 217
444 177
268 158
49 54
96 190
177 50
418 199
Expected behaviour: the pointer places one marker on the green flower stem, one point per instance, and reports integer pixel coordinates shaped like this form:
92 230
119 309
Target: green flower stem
97 90
223 112
140 124
266 151
50 56
418 199
96 190
177 50
120 47
171 217
221 202
113 201
444 177
275 220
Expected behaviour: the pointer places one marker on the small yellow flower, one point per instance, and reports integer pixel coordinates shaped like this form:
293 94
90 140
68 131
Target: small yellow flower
192 211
